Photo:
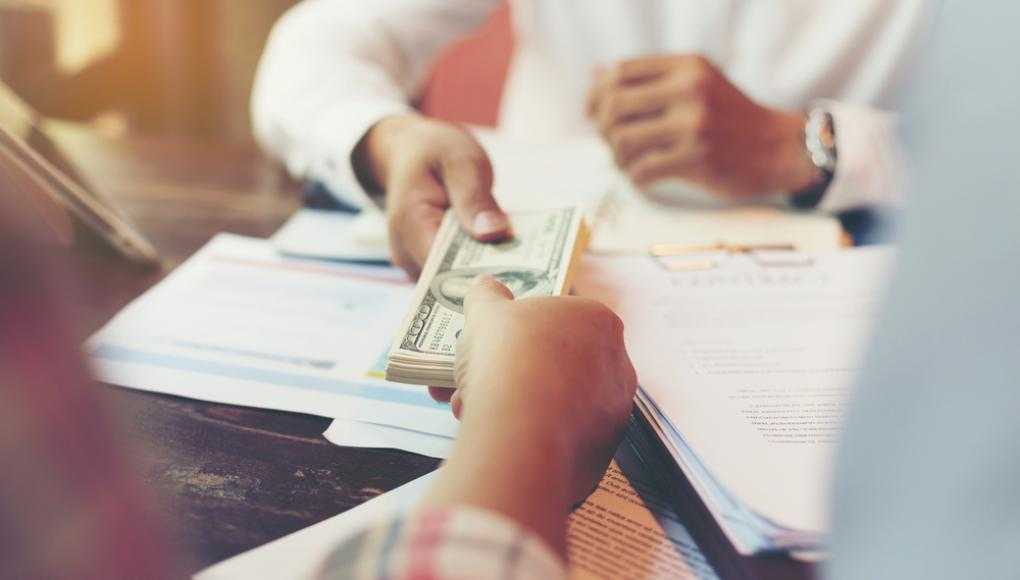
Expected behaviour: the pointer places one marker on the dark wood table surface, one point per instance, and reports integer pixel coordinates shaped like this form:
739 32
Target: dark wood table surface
234 478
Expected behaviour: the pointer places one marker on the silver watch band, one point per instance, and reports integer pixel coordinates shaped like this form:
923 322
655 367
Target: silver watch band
820 139
820 144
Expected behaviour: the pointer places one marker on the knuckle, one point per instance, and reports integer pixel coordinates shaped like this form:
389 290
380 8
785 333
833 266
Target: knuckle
396 216
620 142
700 74
638 172
698 120
481 159
676 59
471 160
699 155
418 215
464 159
701 64
603 317
674 87
625 68
615 331
610 108
485 170
474 151
607 83
402 260
642 169
617 104
700 85
615 324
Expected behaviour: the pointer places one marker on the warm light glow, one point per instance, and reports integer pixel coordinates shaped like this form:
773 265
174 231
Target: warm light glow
85 30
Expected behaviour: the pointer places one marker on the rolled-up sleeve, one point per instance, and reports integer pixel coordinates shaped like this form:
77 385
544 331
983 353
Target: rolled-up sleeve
333 68
445 544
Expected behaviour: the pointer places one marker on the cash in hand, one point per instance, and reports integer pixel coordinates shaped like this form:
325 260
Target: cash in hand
539 260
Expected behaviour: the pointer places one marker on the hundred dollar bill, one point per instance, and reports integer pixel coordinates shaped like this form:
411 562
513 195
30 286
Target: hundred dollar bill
537 261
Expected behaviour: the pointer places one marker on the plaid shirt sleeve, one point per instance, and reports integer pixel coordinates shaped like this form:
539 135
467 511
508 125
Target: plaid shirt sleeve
444 544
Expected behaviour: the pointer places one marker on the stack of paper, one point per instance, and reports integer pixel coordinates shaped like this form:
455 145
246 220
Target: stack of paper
727 390
538 260
240 324
744 370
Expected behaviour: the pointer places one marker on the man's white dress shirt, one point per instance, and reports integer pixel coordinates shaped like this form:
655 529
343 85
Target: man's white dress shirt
333 68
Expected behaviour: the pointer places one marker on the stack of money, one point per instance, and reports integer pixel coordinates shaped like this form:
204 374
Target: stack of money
538 260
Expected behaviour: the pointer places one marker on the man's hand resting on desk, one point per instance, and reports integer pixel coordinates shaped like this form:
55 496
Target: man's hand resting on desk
425 167
678 116
545 388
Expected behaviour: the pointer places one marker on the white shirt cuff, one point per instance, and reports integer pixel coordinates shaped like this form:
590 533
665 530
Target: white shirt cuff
871 165
337 132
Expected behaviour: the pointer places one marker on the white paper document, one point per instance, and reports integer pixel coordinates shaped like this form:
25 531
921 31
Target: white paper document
239 324
580 172
628 223
347 433
535 176
334 235
623 530
747 367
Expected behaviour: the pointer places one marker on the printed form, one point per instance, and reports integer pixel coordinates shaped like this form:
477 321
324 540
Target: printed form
240 324
750 363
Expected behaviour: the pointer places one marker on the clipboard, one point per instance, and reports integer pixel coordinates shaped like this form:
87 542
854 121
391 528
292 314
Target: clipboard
49 199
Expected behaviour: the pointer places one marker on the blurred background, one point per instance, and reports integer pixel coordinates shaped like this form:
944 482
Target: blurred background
177 66
185 67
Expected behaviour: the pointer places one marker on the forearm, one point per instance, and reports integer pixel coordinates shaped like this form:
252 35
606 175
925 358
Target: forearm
331 70
499 503
520 470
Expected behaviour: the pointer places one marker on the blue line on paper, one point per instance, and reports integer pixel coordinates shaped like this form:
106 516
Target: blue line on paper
279 378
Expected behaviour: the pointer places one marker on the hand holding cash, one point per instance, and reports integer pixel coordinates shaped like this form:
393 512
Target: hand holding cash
539 260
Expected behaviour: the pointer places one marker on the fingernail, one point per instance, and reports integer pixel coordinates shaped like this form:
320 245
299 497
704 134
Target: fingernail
490 222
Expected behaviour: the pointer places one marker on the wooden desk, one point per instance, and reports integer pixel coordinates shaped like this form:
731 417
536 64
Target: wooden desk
233 478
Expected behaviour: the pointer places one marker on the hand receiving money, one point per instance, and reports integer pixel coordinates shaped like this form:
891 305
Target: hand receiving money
537 261
545 387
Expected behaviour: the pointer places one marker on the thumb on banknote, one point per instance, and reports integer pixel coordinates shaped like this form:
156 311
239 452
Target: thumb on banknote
484 292
468 181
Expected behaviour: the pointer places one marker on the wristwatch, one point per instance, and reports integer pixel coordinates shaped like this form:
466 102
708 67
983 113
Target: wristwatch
820 144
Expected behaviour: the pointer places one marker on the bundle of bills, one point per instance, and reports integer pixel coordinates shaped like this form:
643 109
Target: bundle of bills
539 260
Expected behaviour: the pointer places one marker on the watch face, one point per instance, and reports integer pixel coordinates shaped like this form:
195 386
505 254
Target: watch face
821 140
